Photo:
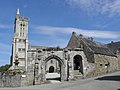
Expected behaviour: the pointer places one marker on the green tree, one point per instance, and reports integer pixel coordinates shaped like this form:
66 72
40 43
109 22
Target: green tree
4 67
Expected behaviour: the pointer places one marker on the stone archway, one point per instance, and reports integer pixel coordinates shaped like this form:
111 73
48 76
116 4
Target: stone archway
78 64
61 63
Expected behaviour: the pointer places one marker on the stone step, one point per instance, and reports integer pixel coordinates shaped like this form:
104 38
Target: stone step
52 75
76 72
78 77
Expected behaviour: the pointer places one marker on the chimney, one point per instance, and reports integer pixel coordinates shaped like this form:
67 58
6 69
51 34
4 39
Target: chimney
112 42
73 33
90 38
81 36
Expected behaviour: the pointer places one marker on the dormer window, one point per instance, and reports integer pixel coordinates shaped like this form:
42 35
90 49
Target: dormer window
81 46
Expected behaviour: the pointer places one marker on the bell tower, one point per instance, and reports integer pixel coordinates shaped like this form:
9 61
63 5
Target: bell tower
20 41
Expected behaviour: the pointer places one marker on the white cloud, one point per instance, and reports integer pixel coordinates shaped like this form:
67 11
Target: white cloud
2 26
49 30
105 7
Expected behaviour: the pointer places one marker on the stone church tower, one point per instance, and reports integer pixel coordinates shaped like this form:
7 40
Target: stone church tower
20 42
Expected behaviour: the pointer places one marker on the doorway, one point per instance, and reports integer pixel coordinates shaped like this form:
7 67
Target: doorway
51 69
78 65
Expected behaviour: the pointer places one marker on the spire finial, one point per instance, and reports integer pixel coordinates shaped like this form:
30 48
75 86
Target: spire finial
18 12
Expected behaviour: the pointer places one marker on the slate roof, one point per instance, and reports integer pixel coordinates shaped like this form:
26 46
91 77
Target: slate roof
97 47
114 46
90 45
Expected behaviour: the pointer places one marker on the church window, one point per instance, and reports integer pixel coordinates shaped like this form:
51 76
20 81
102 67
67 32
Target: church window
20 33
23 49
19 49
23 34
106 64
81 46
51 61
23 31
100 64
19 40
21 24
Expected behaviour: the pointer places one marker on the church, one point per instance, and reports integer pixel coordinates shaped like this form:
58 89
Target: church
81 58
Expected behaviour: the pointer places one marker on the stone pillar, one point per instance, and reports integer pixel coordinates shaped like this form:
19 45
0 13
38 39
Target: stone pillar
70 70
62 73
26 49
43 78
65 70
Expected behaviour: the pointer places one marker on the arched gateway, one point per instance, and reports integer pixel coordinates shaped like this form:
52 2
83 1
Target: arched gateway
61 63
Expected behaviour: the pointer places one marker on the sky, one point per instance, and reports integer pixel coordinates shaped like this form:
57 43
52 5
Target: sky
51 22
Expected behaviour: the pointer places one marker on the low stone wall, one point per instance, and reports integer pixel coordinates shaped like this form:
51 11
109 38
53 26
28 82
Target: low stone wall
18 79
10 80
27 79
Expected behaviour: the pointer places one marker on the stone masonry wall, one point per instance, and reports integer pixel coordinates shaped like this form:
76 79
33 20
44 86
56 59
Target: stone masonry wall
118 56
10 80
105 64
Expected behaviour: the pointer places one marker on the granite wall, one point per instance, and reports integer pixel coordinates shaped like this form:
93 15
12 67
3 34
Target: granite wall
104 64
10 80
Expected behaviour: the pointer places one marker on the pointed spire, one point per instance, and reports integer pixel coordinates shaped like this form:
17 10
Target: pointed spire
18 12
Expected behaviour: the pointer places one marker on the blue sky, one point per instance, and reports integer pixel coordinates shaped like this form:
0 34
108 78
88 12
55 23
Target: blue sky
51 22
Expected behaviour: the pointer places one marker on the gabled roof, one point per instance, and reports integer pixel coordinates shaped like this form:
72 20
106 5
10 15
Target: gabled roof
90 44
97 47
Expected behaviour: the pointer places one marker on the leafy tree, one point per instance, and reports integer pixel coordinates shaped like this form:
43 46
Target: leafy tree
4 67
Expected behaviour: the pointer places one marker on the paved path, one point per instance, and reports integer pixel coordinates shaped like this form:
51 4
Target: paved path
53 77
104 82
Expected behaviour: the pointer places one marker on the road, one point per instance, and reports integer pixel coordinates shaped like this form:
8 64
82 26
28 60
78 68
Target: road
105 82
